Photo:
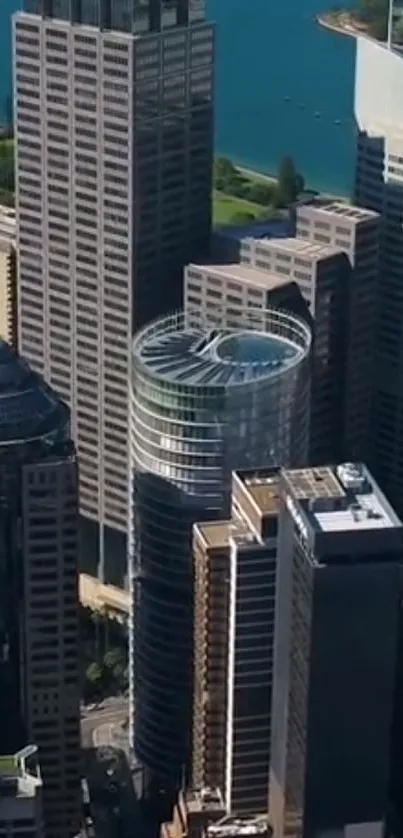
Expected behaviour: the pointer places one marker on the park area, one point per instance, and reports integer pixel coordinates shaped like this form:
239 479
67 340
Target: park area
225 207
241 196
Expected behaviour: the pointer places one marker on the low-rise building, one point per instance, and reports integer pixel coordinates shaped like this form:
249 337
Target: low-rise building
21 795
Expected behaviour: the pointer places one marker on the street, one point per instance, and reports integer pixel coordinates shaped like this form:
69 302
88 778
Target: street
111 712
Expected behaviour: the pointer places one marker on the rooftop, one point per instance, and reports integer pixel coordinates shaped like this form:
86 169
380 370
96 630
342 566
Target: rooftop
220 534
29 409
340 209
271 342
232 826
342 498
16 780
301 248
215 534
262 487
245 274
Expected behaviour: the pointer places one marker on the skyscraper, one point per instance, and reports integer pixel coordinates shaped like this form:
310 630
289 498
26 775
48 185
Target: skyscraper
114 131
204 401
355 232
234 609
338 609
39 682
379 186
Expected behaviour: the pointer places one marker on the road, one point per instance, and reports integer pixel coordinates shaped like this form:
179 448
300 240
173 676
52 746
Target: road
115 808
113 711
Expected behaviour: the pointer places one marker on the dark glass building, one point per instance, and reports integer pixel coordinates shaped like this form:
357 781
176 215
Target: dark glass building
339 590
39 684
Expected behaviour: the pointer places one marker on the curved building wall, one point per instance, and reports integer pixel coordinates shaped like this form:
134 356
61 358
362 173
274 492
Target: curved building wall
191 427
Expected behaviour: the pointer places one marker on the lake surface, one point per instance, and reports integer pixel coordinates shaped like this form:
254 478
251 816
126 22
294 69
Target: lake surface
284 86
282 83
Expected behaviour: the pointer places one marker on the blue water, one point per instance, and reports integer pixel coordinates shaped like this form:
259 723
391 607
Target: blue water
268 50
7 7
276 70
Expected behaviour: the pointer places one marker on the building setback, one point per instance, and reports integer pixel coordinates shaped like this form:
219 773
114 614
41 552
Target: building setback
114 133
338 609
39 678
234 607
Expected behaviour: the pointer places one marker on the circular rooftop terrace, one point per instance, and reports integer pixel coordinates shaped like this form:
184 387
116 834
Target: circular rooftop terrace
169 350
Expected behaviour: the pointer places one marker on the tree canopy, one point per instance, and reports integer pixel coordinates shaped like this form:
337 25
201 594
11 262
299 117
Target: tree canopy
375 14
290 183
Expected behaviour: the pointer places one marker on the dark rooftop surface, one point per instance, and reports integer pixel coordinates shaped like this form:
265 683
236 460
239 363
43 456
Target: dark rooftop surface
28 407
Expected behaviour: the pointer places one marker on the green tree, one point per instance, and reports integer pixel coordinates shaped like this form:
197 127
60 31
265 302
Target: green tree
228 179
93 681
289 183
224 168
114 665
261 193
94 673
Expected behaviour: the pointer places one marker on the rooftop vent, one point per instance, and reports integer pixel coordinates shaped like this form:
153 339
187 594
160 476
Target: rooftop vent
351 476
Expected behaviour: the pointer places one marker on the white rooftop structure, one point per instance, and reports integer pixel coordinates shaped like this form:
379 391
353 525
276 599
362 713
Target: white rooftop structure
20 793
342 498
232 827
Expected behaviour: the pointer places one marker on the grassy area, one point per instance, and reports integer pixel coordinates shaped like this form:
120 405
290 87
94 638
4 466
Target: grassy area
225 207
7 143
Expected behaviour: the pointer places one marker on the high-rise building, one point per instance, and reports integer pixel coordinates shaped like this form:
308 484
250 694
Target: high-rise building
204 402
221 293
234 608
332 252
355 232
114 133
379 186
338 609
309 280
21 810
39 681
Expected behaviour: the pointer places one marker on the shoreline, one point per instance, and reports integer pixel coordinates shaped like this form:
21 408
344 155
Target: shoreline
265 178
349 30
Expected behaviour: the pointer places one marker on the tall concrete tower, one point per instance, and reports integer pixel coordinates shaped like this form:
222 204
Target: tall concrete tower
114 130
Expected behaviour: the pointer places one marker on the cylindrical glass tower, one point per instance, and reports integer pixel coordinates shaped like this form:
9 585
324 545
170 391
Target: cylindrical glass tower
204 402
